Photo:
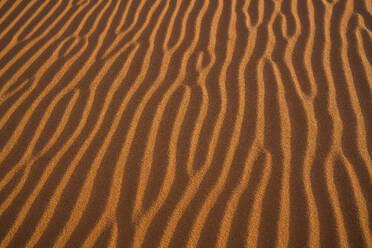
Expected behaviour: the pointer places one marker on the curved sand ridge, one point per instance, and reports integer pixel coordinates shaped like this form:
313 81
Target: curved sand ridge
242 123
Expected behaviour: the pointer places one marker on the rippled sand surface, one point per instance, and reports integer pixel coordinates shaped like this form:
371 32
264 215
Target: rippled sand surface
185 123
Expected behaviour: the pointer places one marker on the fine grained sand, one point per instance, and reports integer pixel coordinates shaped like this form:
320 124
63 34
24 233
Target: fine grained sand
185 123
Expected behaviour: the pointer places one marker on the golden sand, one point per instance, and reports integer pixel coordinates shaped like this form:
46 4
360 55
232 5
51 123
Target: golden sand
173 123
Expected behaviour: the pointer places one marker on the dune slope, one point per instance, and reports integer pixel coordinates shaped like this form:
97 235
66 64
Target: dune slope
174 123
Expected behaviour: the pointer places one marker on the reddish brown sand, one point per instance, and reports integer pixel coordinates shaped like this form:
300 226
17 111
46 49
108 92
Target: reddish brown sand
185 123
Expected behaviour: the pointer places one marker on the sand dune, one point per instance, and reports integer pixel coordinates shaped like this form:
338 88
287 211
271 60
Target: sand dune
173 123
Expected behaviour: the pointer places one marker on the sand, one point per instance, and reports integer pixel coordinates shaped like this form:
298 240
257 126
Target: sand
174 123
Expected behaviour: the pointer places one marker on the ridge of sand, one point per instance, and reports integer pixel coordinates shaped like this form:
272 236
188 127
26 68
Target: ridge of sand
242 123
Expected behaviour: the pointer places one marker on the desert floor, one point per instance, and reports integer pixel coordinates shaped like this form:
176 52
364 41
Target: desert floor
185 123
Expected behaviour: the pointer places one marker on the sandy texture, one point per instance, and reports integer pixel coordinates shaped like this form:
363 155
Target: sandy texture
185 123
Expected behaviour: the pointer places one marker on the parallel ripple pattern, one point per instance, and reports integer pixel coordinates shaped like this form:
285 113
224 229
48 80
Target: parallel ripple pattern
185 123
